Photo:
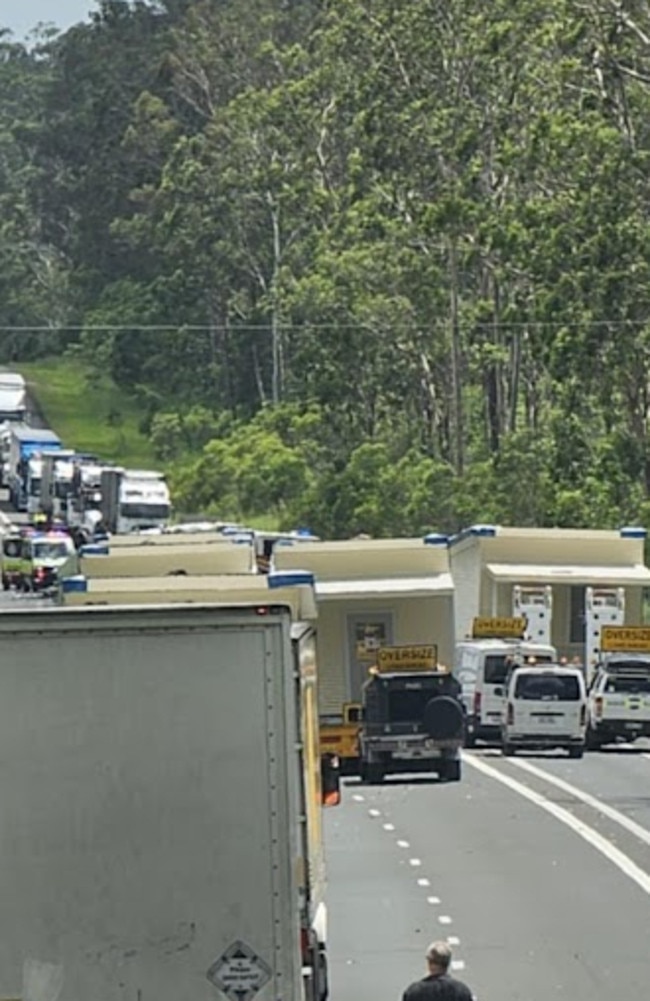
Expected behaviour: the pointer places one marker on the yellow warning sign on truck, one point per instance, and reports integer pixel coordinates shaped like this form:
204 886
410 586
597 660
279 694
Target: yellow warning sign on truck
407 658
625 639
500 627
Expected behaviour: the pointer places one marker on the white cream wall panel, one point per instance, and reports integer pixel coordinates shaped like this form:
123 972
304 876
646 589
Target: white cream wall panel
415 620
358 559
582 548
465 565
155 561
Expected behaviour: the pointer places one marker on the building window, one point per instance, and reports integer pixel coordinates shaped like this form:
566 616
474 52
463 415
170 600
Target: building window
577 614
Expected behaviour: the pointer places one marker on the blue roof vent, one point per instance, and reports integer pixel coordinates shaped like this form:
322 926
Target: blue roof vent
485 531
435 539
478 531
633 532
290 578
95 549
77 584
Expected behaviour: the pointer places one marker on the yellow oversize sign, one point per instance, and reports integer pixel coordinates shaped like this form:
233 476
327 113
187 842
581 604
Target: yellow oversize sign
624 639
500 627
407 658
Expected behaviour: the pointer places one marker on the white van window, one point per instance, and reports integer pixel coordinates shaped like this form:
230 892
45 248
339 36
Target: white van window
547 688
495 668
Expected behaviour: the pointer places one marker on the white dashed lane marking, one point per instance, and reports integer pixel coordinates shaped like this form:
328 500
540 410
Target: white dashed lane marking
423 881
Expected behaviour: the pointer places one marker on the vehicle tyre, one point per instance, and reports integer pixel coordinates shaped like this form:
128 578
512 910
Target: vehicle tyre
375 774
443 718
508 750
470 739
323 989
593 740
576 752
450 770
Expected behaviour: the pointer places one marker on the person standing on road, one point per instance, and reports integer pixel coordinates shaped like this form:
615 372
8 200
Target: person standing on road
439 985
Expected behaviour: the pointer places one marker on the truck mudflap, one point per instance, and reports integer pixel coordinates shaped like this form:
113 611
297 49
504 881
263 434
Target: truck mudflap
315 970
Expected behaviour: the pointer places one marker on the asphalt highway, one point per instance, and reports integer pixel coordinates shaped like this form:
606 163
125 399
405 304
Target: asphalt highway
542 889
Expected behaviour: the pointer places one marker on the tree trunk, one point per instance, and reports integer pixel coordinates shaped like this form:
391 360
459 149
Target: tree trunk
456 362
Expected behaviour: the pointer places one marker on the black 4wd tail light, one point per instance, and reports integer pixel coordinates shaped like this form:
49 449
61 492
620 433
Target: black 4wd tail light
511 714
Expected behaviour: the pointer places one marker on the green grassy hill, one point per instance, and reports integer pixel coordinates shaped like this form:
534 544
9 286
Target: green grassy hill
87 416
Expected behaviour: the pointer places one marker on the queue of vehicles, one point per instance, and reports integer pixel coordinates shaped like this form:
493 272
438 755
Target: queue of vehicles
70 498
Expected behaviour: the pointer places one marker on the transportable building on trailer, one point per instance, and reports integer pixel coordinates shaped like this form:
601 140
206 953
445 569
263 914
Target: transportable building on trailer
570 582
371 593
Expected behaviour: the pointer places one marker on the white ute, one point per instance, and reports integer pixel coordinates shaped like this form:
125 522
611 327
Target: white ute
619 700
545 708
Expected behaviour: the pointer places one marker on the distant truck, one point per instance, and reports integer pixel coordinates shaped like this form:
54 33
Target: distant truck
162 792
412 719
24 443
13 397
134 500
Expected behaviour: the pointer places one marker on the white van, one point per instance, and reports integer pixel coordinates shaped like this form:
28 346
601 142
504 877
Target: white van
545 707
481 666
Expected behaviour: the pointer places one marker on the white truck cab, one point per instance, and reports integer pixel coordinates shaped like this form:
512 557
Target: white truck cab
545 707
482 667
619 700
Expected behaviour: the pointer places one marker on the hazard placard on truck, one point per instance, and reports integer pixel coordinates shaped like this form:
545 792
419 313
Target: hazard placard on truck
498 627
391 659
625 639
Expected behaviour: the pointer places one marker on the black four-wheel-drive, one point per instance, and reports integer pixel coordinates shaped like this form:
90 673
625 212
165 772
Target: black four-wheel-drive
412 722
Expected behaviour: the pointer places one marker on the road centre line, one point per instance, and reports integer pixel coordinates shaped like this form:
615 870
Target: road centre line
596 804
443 919
587 833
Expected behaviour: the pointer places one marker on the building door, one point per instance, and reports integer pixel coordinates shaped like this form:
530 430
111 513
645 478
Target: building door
366 633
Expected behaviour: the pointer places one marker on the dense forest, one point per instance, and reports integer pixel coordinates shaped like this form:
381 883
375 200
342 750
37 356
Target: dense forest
370 266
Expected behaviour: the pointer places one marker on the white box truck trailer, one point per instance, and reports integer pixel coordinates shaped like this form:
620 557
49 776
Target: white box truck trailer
160 831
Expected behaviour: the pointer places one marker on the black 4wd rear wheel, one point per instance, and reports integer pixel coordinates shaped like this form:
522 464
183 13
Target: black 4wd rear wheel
450 770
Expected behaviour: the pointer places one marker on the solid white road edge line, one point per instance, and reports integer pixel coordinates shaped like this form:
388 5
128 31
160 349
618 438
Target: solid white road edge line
596 804
591 836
